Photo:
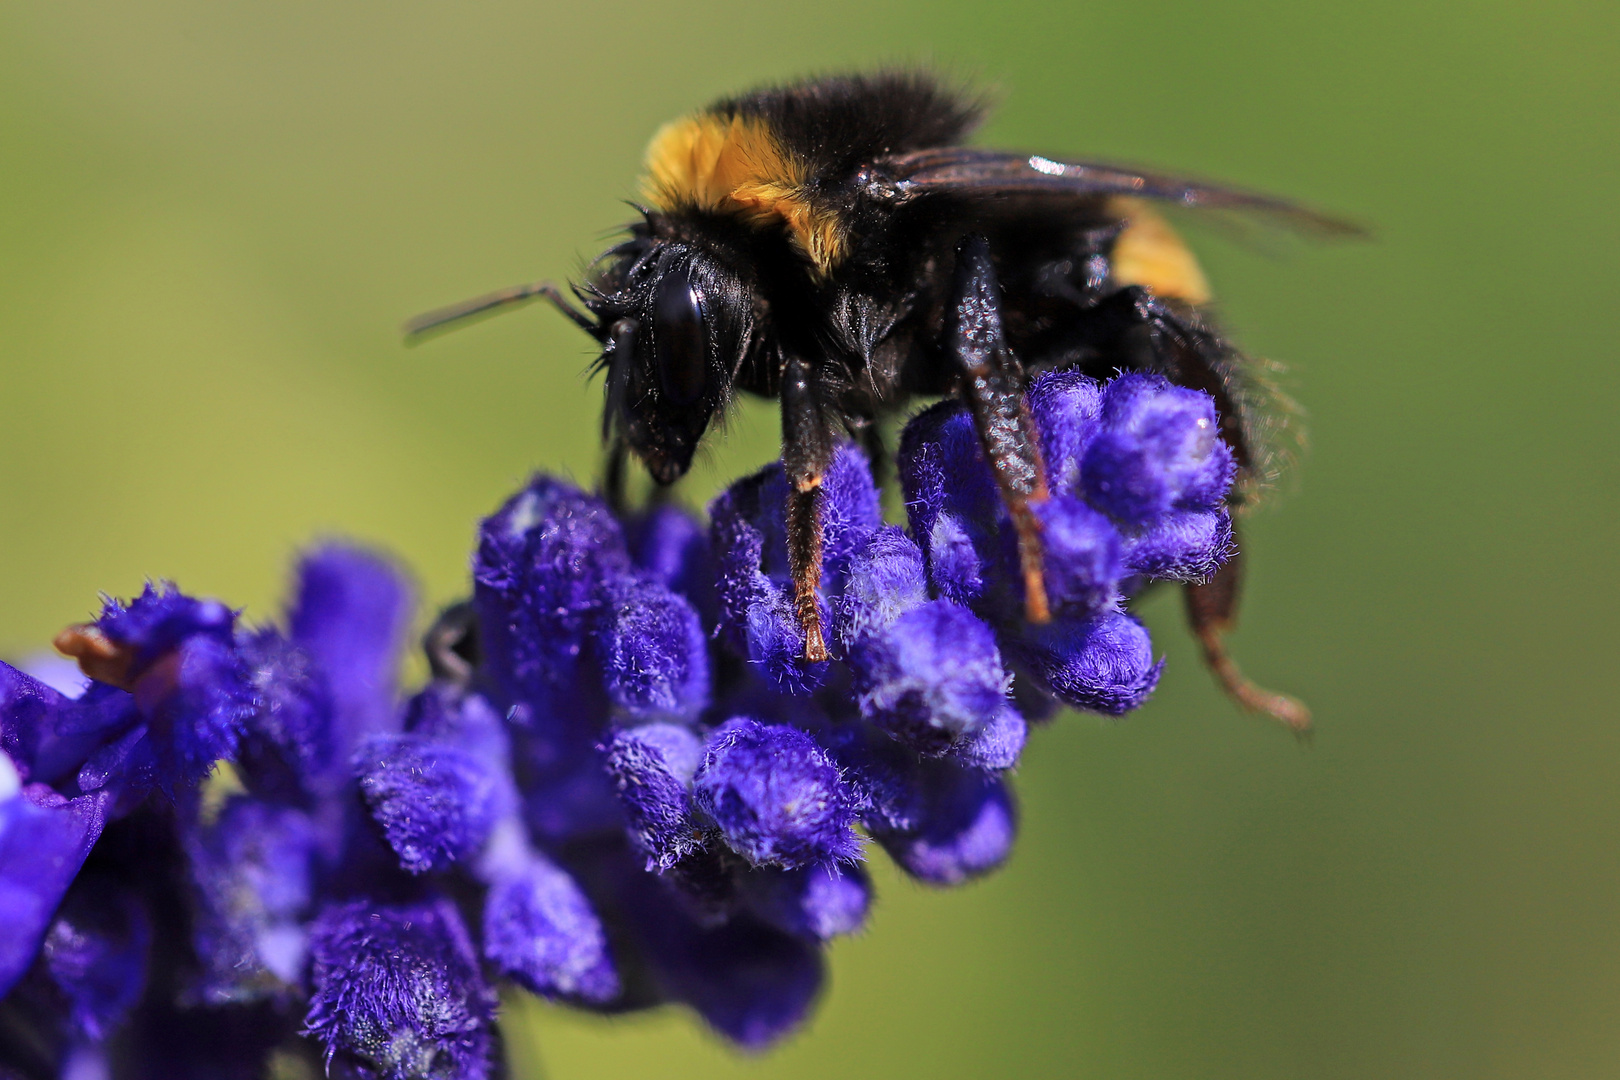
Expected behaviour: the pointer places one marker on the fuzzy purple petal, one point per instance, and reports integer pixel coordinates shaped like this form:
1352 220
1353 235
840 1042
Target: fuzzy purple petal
651 768
1103 665
817 902
932 678
540 930
776 797
653 651
434 801
398 994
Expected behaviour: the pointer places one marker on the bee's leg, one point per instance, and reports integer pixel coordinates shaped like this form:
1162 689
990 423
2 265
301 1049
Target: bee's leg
451 644
1211 612
619 348
613 477
992 384
807 448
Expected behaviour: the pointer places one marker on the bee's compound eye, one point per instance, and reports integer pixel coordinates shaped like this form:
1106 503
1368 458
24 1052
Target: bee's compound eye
680 338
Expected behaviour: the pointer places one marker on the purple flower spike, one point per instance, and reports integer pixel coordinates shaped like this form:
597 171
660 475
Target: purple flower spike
652 768
1104 664
435 802
540 930
1160 450
397 993
655 655
932 678
622 762
775 796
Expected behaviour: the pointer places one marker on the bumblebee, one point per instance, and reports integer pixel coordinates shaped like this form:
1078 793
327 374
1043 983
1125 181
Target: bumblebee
833 244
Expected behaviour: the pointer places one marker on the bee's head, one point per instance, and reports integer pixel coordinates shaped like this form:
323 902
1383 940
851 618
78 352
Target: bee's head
674 326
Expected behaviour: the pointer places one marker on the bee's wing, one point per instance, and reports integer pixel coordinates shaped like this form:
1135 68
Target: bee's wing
972 173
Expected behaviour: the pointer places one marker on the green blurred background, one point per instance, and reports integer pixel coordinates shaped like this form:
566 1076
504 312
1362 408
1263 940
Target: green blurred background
214 215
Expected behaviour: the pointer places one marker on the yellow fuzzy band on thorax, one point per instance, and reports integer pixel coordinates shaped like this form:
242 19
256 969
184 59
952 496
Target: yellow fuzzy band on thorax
1149 253
735 165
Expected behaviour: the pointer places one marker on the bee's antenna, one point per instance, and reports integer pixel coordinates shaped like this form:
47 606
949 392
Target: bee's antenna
447 318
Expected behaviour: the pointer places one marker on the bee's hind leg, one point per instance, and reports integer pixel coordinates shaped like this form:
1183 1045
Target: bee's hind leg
1211 613
807 449
992 384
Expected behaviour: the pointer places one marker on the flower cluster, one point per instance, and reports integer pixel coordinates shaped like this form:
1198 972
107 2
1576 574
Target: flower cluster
623 785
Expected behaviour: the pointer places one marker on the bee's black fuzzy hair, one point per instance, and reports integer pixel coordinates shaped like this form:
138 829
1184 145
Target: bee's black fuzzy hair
837 123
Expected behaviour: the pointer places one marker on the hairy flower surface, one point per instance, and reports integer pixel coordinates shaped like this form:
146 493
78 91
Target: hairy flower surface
623 785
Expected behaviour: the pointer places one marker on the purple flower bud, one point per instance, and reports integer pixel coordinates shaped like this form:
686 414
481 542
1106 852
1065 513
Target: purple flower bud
398 994
1083 557
288 748
96 953
540 930
997 745
775 796
817 902
964 826
252 877
159 621
943 470
179 659
654 653
1160 450
752 982
542 562
672 546
200 718
651 768
885 580
1066 406
756 611
932 678
435 802
1182 546
352 610
1104 664
955 567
